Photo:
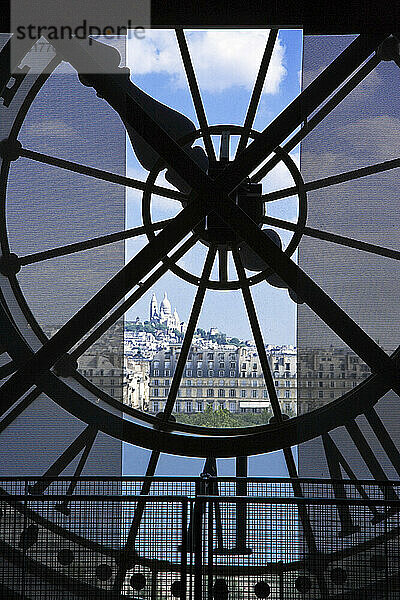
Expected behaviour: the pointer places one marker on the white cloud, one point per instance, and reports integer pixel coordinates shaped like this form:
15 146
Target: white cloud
221 58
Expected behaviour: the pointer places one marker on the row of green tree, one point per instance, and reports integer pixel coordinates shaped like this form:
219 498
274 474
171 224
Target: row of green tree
223 418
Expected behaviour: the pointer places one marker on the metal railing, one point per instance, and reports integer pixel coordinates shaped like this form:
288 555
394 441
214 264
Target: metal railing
199 538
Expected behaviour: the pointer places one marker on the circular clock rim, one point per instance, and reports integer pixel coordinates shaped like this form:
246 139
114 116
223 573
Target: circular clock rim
204 441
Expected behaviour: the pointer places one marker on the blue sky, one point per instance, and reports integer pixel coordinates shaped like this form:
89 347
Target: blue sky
226 63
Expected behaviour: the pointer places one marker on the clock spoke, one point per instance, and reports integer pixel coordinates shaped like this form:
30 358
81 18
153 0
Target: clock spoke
336 461
195 92
101 303
257 90
92 243
83 443
334 179
7 369
187 340
384 438
335 238
319 116
19 409
223 264
101 174
256 331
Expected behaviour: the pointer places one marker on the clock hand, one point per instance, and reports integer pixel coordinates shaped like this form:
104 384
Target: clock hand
173 122
298 111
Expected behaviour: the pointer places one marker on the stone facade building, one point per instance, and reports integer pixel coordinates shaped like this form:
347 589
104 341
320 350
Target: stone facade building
230 378
325 374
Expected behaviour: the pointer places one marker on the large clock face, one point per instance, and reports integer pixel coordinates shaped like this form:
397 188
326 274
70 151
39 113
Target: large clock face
228 227
221 208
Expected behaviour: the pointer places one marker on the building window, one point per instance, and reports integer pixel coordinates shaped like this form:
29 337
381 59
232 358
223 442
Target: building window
210 373
254 383
320 394
244 366
210 356
156 372
189 372
243 393
221 382
320 384
188 407
199 392
287 393
112 382
188 382
178 407
221 393
167 373
155 407
200 407
199 373
287 366
210 363
254 366
332 384
254 393
166 392
210 393
155 392
232 393
232 365
101 381
254 374
231 373
166 382
222 365
112 391
276 383
221 373
287 383
265 394
232 406
309 383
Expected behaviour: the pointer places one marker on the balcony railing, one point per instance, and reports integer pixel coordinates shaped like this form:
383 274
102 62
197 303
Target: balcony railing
198 538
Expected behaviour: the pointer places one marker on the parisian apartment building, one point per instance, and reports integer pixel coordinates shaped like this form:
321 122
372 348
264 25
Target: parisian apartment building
325 374
222 378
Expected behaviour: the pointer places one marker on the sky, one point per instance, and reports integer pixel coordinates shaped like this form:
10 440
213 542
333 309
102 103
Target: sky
226 63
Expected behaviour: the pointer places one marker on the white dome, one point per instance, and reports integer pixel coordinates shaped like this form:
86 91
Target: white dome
165 305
